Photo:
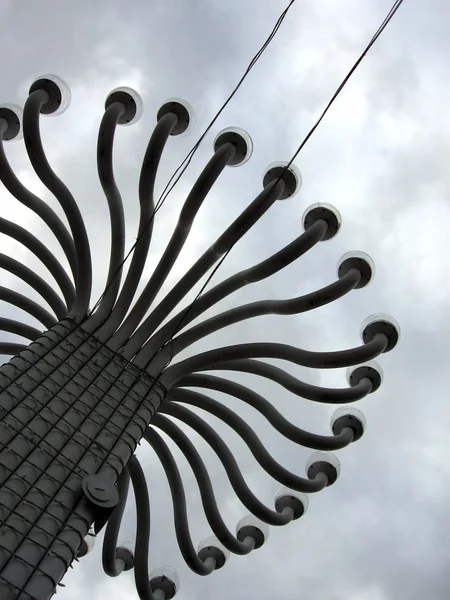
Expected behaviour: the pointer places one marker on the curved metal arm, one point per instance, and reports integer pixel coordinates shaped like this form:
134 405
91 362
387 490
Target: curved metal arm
36 282
256 447
231 236
262 270
205 486
30 306
111 566
116 217
193 202
149 168
241 489
11 348
141 574
39 207
33 143
264 307
304 358
291 383
185 544
12 326
43 254
276 419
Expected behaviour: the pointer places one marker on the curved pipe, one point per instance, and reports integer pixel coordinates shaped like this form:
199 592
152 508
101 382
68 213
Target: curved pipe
12 326
111 566
39 207
11 348
147 178
184 539
241 489
258 272
276 419
30 306
298 387
262 456
231 236
141 574
105 170
43 254
266 307
36 154
36 282
304 358
193 202
205 486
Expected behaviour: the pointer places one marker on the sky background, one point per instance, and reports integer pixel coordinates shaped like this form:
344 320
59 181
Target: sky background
380 156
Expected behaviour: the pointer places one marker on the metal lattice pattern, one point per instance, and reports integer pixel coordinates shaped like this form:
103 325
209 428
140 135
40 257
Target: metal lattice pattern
75 402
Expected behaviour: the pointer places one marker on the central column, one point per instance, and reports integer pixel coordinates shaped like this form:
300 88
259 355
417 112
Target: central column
69 407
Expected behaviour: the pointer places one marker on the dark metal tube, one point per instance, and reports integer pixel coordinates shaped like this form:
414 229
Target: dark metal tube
193 202
111 565
276 419
256 447
149 168
36 282
41 252
240 487
116 216
262 270
185 544
231 236
304 358
30 306
205 486
266 307
37 157
40 208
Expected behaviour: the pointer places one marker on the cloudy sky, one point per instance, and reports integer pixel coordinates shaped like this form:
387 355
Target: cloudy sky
380 156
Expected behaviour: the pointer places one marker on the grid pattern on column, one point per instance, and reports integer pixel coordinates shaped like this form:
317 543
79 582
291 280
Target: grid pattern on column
69 406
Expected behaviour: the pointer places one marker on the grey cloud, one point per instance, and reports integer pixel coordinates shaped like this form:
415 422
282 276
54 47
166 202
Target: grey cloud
381 532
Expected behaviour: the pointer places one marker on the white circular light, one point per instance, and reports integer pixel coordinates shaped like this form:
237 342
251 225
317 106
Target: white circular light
291 177
253 522
351 417
132 102
184 112
240 139
328 462
360 261
325 212
58 91
381 323
168 573
12 114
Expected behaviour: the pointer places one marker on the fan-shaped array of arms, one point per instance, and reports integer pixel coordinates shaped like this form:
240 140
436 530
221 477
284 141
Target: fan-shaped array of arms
150 336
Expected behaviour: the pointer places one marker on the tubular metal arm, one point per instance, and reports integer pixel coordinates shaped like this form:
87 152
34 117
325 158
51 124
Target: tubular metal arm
241 489
233 234
304 358
38 206
258 272
276 419
36 282
188 213
116 215
263 307
257 448
149 168
36 100
41 252
205 486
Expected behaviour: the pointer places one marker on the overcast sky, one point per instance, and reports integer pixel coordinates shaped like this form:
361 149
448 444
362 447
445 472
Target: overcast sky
380 156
